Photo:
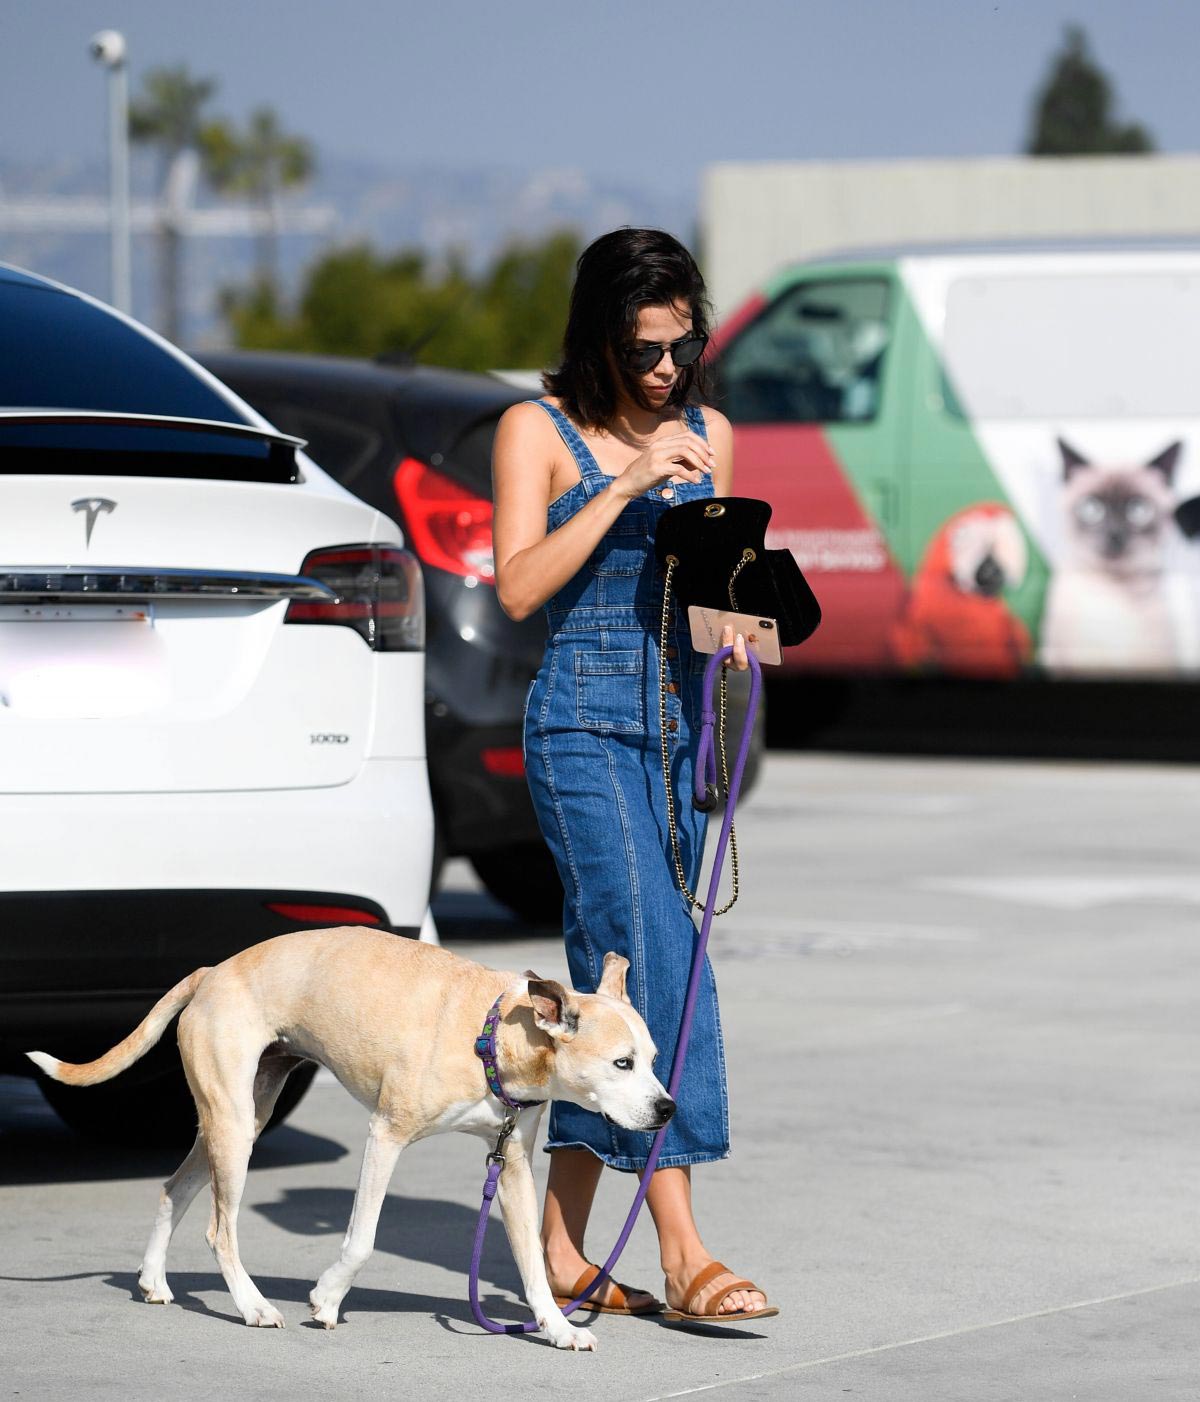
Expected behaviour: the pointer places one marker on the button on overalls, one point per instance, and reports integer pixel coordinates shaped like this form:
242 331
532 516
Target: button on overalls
594 765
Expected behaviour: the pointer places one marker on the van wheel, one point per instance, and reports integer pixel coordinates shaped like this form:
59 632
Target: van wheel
525 879
154 1110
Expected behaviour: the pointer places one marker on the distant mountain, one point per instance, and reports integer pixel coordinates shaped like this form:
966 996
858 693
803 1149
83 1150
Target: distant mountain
475 211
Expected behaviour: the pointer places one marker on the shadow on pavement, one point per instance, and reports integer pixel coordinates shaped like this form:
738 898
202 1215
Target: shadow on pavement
187 1286
36 1147
430 1230
1031 719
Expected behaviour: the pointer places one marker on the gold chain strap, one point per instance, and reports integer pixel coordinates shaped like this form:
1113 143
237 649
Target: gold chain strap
747 556
664 634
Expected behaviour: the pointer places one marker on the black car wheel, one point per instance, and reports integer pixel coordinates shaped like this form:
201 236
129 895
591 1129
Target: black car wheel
525 879
154 1109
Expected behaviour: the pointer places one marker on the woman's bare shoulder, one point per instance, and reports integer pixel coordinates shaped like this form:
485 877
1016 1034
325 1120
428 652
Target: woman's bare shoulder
526 424
714 419
526 412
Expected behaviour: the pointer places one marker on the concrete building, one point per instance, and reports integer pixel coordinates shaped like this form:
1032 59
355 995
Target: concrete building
757 217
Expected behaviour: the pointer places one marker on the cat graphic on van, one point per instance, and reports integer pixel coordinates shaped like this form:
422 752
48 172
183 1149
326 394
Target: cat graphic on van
1109 608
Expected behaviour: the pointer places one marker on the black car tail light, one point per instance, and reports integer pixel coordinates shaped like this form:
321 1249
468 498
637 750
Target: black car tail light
505 762
450 527
379 594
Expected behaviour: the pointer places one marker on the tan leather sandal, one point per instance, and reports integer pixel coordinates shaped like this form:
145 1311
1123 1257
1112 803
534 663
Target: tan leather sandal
618 1296
711 1313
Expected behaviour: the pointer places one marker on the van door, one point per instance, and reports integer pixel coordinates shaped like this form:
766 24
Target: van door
977 571
814 386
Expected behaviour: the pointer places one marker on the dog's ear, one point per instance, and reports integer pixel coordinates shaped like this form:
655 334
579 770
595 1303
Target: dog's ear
553 1010
612 980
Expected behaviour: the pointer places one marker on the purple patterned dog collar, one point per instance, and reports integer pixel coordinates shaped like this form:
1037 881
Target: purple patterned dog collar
485 1050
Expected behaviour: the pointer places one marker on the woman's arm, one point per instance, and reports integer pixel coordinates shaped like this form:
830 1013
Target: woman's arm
720 435
531 565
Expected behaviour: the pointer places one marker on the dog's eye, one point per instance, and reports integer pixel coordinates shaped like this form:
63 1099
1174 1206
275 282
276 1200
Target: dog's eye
624 1063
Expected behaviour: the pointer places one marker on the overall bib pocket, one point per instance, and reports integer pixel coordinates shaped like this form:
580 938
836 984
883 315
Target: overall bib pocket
623 548
610 692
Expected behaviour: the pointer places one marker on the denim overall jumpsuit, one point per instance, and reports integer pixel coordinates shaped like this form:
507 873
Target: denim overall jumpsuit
594 763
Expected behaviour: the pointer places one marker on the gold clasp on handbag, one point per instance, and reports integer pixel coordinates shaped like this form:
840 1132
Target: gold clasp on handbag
714 508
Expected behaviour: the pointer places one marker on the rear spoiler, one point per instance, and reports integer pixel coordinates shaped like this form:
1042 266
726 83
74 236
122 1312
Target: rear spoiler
83 584
281 447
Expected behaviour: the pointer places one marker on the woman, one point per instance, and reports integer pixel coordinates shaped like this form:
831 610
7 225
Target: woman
581 478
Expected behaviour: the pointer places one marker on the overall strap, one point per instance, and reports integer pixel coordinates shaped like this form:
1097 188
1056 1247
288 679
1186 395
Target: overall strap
588 467
695 420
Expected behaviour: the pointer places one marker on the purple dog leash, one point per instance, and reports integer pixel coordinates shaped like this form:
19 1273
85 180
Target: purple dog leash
705 774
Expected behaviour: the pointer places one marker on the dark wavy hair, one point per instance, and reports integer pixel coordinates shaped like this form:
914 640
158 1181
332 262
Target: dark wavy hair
616 276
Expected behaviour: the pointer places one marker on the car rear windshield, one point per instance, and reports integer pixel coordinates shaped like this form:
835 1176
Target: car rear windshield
141 450
469 459
58 351
1074 346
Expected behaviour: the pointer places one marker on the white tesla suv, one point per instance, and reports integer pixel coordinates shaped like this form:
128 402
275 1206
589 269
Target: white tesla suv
211 689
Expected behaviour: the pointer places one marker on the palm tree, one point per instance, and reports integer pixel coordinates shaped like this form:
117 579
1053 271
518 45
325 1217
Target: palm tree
261 162
168 116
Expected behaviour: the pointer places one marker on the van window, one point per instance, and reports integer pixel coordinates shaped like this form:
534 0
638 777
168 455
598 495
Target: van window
814 356
1073 346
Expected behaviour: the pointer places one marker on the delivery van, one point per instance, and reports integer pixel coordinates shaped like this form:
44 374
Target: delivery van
979 458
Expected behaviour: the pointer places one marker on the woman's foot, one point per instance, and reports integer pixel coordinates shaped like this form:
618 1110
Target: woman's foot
565 1274
680 1280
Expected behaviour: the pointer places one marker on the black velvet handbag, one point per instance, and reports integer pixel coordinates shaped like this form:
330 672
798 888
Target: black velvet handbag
714 553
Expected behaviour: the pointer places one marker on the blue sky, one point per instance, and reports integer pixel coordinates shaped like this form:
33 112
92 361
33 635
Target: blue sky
649 91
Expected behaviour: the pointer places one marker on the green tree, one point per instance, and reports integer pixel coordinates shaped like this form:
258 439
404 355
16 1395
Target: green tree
409 306
262 161
1074 110
167 116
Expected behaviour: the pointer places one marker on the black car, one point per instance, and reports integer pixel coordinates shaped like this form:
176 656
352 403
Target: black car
416 442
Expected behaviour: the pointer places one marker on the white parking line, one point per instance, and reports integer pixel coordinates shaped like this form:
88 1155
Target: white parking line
925 1339
774 934
1067 892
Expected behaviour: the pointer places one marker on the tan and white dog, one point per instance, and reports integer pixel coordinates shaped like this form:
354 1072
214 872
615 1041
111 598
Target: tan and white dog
396 1023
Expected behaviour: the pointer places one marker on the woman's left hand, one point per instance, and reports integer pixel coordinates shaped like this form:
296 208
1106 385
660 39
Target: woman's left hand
738 661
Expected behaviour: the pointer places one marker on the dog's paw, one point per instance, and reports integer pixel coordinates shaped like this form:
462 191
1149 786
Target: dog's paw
322 1312
155 1294
568 1336
263 1316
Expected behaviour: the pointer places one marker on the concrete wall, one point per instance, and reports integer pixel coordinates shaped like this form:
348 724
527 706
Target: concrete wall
758 217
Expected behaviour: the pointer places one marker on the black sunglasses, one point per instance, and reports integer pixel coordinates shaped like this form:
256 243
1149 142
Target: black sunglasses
684 352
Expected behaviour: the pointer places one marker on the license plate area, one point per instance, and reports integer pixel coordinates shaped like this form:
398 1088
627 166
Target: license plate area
77 613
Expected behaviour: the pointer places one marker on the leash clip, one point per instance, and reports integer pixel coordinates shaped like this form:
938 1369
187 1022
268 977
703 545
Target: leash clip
497 1154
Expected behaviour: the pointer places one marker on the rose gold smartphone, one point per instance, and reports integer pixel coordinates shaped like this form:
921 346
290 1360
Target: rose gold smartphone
761 634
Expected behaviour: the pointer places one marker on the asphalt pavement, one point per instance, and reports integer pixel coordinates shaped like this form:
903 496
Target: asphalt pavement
960 1008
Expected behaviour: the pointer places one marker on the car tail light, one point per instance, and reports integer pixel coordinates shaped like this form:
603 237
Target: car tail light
505 763
379 594
449 526
325 914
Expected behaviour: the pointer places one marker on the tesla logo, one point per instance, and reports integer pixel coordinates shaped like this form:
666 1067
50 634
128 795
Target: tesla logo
93 506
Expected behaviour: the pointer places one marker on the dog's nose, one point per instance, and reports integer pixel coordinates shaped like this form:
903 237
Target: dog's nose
664 1109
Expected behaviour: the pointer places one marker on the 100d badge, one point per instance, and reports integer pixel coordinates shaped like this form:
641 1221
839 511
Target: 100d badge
328 737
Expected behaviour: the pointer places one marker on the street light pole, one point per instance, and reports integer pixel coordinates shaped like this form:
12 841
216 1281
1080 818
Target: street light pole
108 48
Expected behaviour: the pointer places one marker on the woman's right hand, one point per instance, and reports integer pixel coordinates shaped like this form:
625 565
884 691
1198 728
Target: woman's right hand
685 456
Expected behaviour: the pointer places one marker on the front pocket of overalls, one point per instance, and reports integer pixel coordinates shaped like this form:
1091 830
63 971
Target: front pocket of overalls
610 692
622 549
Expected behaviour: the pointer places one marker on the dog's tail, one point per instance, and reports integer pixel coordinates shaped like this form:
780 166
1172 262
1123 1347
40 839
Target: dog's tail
124 1054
